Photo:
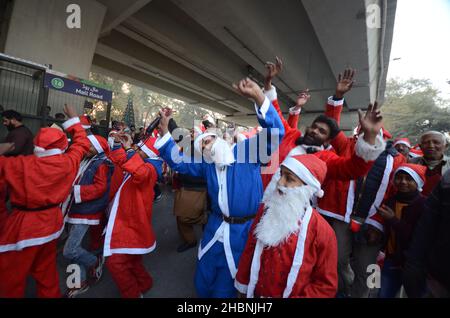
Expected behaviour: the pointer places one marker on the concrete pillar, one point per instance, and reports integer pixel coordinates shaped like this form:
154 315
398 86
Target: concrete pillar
38 32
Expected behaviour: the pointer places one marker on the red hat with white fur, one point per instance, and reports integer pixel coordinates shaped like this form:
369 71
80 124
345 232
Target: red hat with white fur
85 122
417 172
100 144
403 141
310 169
49 142
149 147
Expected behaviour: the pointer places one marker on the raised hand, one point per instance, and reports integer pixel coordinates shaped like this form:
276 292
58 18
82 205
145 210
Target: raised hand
70 111
371 122
302 98
247 88
166 115
272 71
386 212
344 83
126 140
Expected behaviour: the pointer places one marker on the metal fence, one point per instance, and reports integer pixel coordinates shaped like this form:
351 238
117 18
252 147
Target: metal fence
22 89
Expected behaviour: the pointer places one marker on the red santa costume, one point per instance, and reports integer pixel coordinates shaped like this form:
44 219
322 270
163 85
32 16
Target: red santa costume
291 250
38 184
129 232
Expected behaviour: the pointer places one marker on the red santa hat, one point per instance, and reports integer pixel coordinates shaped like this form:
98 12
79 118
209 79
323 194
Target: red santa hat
85 121
148 147
417 172
310 169
415 152
100 144
402 141
49 142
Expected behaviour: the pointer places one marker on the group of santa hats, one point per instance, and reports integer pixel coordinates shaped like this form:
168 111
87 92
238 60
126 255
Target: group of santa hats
413 151
52 141
312 171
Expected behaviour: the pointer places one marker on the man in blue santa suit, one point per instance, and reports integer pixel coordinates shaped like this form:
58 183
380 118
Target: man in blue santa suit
234 185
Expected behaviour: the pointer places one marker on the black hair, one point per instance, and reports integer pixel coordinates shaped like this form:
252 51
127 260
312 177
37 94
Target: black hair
330 122
12 114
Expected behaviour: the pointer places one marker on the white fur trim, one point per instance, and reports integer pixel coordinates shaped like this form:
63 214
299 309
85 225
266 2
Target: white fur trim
77 193
350 201
335 103
70 122
199 138
262 111
82 221
330 214
402 142
413 175
95 143
134 251
367 151
86 126
294 111
298 256
161 141
112 219
42 152
271 94
217 235
150 153
375 224
303 173
30 242
254 269
240 287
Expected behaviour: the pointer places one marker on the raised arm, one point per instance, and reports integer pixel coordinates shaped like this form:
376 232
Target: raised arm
335 103
170 153
267 116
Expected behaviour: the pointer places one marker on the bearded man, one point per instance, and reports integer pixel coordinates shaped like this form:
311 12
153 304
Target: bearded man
291 250
235 187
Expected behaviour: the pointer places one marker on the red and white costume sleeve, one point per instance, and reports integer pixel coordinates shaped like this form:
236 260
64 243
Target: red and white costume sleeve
129 229
89 192
292 122
40 184
305 265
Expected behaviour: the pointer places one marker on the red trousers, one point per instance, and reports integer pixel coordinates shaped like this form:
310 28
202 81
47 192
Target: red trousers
129 274
39 262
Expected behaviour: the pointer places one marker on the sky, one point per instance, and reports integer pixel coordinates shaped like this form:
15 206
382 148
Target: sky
422 42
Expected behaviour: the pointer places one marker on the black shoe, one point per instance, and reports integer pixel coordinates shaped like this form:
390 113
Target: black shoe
186 246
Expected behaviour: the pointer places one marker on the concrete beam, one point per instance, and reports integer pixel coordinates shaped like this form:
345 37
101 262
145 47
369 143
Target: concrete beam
141 56
119 11
144 79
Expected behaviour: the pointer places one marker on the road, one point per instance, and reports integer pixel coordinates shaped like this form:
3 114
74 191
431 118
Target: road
172 272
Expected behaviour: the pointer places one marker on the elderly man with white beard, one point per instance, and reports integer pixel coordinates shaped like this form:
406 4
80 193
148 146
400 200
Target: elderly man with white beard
291 250
234 185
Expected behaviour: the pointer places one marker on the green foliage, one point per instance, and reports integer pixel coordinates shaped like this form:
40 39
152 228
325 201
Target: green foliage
412 107
146 104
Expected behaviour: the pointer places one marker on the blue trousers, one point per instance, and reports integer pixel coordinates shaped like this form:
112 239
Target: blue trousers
391 280
212 277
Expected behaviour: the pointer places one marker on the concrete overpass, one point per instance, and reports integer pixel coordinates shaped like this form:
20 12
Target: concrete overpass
194 49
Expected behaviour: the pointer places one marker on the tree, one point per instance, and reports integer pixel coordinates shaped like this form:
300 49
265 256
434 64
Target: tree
412 107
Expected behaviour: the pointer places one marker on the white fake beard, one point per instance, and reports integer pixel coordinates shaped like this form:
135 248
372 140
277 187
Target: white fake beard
283 212
221 153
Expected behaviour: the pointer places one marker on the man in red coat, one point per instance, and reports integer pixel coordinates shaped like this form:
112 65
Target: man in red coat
37 185
129 233
291 250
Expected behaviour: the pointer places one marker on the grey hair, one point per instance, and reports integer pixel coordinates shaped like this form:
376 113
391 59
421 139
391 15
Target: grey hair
434 132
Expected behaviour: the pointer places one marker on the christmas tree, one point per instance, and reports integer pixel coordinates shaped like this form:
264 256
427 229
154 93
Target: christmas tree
128 116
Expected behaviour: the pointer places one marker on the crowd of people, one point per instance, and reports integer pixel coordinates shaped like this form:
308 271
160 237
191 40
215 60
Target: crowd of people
283 213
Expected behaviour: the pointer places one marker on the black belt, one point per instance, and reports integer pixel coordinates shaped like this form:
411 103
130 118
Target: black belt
24 208
237 220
